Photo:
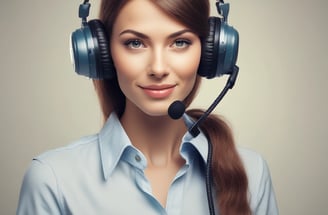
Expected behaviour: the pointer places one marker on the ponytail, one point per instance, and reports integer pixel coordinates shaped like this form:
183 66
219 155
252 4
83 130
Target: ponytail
229 176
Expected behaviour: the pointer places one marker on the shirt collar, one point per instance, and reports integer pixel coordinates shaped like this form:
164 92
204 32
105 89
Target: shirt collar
113 141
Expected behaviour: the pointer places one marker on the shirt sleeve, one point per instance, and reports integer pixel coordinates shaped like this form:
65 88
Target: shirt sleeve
266 200
39 191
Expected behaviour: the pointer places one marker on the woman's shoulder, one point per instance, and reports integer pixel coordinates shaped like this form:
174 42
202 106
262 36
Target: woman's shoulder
52 170
262 196
66 159
250 156
70 151
254 163
62 161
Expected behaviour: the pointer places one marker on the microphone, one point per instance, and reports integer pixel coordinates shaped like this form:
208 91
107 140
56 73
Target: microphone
177 108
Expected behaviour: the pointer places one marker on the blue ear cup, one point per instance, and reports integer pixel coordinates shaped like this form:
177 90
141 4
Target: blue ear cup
90 53
219 48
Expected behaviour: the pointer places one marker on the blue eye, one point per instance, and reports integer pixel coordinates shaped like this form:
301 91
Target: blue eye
134 44
181 43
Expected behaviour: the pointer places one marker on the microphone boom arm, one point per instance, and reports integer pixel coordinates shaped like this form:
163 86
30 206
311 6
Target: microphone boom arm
194 130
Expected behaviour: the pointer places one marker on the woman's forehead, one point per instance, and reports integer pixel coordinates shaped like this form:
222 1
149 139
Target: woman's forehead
143 16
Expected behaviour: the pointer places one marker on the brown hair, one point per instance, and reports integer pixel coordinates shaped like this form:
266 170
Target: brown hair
229 176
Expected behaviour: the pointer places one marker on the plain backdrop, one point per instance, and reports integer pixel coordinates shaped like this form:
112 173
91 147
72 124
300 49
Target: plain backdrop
278 106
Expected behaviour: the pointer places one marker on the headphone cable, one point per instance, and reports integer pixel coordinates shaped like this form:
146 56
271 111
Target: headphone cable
208 177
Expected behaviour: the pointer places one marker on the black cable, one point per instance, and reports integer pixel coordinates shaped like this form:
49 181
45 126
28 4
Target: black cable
208 178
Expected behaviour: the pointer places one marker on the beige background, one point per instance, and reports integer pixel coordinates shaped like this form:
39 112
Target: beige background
278 106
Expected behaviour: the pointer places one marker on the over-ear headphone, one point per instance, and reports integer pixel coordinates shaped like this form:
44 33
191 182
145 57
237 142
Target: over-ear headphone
91 57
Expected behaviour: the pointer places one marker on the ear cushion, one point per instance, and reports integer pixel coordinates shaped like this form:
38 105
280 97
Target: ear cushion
105 67
209 58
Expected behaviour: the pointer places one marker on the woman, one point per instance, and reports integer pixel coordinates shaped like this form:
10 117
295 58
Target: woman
142 161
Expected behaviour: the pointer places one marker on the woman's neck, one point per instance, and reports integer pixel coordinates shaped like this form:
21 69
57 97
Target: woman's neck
157 137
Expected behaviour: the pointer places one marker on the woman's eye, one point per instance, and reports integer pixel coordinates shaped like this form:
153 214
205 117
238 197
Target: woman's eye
133 44
181 43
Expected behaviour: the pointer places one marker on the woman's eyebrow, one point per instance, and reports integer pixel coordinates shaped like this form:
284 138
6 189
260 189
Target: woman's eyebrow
178 33
136 33
144 36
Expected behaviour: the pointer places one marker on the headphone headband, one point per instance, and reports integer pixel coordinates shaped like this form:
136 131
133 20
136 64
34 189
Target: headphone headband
84 10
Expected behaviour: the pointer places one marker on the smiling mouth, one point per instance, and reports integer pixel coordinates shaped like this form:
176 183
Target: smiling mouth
158 91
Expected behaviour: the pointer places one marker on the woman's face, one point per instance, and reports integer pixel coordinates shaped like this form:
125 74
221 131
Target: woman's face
156 57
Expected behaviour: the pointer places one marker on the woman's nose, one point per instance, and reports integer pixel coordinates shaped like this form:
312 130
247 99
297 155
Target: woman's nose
159 67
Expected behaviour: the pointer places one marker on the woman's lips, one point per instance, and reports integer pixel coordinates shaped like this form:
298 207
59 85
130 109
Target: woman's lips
158 91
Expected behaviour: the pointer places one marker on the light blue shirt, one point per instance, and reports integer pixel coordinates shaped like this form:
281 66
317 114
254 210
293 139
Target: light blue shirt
104 174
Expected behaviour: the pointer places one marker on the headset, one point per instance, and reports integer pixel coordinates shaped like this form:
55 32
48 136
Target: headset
90 54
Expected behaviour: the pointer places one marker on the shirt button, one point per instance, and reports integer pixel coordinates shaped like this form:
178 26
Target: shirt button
138 158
